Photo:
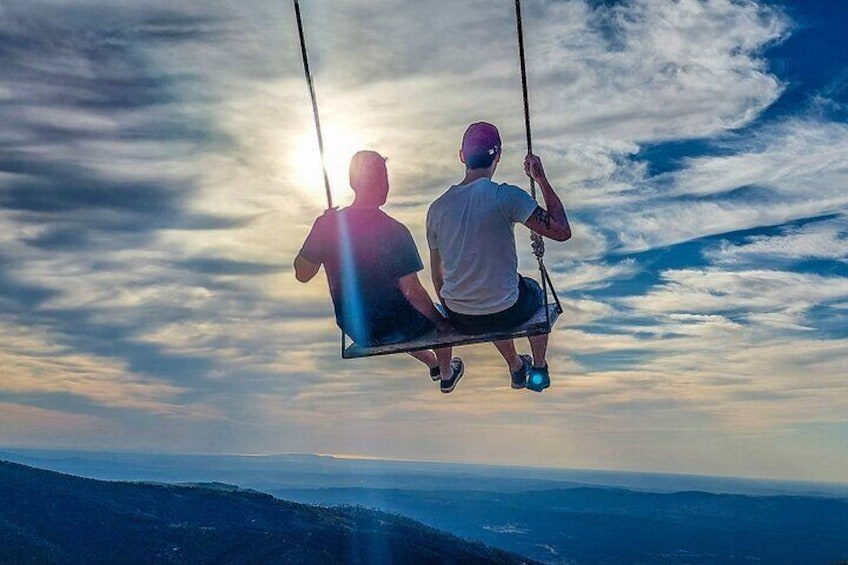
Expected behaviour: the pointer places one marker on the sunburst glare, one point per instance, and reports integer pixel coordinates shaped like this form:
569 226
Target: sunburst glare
340 143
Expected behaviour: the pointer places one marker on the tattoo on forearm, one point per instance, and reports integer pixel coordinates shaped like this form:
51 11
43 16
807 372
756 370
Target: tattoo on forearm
542 216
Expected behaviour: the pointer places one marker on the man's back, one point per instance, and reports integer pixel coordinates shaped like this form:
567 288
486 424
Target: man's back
364 252
472 227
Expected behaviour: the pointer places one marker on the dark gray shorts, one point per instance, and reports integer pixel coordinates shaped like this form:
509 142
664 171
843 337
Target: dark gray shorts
530 299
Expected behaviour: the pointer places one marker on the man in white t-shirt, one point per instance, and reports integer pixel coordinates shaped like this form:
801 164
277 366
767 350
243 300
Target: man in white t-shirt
470 232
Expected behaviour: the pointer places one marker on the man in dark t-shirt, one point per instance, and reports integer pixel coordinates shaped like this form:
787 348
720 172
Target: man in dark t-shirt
372 266
363 275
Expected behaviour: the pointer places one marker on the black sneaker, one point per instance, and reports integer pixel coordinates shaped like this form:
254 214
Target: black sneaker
538 379
434 373
457 370
519 377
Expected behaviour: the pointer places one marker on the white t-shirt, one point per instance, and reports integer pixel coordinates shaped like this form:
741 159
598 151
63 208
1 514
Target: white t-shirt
472 227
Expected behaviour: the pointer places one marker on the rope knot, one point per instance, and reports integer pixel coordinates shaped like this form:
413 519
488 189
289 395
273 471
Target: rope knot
538 245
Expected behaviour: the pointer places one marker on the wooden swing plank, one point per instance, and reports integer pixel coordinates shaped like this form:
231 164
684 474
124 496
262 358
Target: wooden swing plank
536 325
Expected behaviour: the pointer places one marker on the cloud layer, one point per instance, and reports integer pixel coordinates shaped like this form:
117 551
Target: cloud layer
158 172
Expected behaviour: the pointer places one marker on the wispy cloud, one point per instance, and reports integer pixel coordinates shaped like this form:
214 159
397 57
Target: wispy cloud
741 292
774 175
39 366
819 240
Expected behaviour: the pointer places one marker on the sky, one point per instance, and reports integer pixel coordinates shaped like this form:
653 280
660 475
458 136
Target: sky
159 171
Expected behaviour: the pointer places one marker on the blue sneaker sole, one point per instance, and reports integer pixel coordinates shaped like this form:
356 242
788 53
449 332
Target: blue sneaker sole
537 381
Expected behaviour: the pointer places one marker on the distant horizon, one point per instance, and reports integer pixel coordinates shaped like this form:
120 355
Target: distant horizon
341 457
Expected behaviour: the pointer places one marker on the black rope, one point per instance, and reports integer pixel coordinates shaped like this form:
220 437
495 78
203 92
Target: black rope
520 29
537 243
314 103
317 123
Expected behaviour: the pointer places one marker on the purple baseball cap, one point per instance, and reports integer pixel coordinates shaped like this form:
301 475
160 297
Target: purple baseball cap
481 142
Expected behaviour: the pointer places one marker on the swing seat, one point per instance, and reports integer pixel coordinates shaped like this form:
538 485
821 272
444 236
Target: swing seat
536 325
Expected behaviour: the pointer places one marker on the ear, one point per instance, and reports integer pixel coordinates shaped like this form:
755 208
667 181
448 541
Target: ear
495 162
462 156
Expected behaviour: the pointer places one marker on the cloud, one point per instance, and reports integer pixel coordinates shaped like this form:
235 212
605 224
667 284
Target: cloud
590 276
733 350
780 173
38 365
741 293
824 240
651 70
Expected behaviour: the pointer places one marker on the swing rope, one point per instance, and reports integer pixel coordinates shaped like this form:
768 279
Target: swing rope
537 243
314 103
317 122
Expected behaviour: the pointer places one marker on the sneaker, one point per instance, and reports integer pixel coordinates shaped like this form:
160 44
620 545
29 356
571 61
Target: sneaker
434 373
538 379
519 377
457 370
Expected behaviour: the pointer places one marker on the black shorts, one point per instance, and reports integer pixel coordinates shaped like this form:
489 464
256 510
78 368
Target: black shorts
397 329
530 299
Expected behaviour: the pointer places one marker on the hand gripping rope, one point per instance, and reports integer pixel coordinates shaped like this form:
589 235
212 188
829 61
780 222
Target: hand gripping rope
537 243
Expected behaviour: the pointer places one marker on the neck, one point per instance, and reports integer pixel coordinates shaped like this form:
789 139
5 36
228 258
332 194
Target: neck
364 204
475 174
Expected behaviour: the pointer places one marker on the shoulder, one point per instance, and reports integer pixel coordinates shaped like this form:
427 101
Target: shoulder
505 189
443 197
515 203
440 202
391 224
382 216
330 216
512 193
325 221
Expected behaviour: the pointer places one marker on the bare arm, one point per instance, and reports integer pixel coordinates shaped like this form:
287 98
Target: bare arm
550 221
411 288
304 269
437 271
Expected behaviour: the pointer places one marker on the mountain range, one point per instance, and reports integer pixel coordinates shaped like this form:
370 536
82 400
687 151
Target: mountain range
51 518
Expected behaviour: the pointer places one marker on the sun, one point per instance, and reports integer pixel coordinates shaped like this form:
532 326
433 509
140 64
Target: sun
340 143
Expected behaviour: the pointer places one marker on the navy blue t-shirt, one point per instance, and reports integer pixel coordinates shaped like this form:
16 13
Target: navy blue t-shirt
364 253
